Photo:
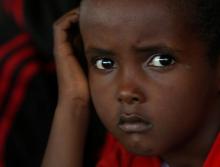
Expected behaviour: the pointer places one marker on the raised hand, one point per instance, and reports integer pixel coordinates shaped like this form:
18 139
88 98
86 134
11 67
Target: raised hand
66 143
71 79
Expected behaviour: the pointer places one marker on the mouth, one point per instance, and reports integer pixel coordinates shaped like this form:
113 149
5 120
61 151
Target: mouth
134 124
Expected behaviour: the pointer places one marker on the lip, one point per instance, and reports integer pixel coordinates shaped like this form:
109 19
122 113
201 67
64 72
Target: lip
134 124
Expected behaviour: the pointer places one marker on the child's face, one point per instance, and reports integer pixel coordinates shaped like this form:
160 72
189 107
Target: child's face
150 80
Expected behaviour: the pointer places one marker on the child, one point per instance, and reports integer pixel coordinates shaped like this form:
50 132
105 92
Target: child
154 80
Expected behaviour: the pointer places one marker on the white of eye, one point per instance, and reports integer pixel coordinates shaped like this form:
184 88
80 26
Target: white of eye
161 61
104 64
99 64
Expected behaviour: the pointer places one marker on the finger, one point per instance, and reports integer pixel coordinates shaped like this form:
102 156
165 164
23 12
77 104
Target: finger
61 27
70 74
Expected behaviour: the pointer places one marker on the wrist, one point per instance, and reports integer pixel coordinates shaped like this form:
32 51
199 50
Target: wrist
75 107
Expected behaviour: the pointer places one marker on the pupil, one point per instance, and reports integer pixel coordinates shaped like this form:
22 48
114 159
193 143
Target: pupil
106 63
165 60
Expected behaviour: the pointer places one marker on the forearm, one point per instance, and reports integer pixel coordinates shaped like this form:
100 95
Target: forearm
67 138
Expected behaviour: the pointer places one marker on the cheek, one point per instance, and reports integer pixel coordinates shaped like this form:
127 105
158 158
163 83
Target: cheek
102 95
179 110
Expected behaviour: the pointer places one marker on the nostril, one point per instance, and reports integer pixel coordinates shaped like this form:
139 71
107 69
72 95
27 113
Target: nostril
129 99
119 99
135 99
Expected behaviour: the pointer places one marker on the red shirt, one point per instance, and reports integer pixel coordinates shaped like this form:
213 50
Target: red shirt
115 155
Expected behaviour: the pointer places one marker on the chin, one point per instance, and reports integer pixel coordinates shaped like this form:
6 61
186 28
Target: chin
138 149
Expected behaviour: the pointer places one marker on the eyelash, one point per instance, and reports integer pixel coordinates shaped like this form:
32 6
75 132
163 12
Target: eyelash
153 62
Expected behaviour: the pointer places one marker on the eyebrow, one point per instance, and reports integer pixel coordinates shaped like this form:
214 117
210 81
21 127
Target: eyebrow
99 52
156 48
141 49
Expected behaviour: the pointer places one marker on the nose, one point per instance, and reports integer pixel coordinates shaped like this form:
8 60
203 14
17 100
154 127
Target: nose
131 95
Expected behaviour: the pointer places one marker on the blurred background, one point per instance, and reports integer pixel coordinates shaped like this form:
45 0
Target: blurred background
28 88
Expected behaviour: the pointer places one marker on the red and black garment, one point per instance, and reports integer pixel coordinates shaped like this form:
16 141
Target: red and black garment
27 86
114 154
28 89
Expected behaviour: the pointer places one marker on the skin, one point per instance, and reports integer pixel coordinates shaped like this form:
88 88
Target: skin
180 100
67 137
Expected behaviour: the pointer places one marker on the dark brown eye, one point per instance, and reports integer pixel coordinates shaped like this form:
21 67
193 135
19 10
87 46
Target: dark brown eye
104 63
161 60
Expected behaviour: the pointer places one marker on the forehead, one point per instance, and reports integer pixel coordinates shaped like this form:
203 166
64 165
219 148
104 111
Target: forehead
114 12
124 13
128 21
